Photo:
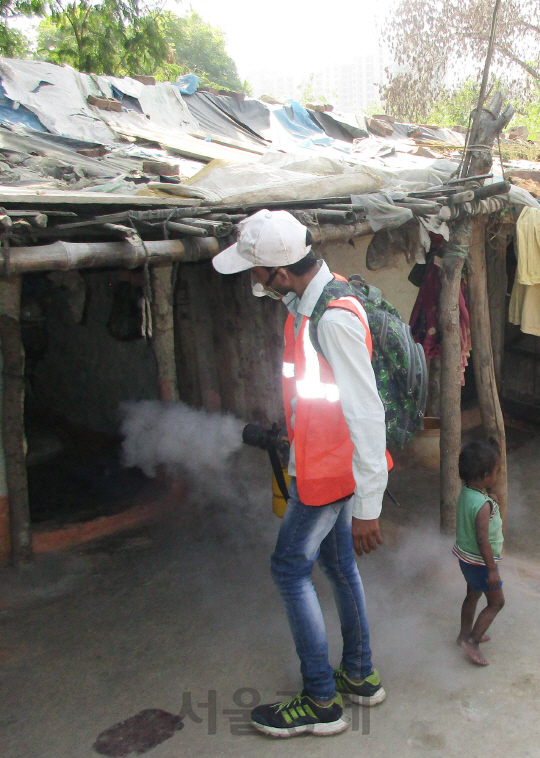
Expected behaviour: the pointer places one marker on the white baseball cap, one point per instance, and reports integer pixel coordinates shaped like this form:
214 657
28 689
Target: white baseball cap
268 238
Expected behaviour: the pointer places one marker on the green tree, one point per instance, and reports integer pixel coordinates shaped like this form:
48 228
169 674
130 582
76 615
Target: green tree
111 37
13 43
453 107
430 40
199 47
123 37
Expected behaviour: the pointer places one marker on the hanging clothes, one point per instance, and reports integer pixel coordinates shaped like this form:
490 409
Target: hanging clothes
524 308
424 321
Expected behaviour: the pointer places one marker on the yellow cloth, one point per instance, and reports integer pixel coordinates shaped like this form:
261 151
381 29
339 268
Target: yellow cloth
525 301
528 246
525 307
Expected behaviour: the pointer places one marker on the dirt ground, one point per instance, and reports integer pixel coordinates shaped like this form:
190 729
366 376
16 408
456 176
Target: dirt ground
183 617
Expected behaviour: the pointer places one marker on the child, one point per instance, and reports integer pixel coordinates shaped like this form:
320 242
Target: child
478 544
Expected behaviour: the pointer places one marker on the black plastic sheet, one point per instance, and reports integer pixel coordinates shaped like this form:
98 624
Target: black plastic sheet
337 129
240 120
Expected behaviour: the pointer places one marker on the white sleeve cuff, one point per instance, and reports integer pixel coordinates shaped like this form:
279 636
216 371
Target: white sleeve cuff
367 508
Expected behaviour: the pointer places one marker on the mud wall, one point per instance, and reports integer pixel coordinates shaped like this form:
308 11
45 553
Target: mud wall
347 259
228 343
81 372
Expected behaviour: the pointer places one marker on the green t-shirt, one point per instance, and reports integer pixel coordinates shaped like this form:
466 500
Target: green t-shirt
469 503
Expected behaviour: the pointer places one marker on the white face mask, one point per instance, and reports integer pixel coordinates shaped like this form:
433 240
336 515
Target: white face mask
259 290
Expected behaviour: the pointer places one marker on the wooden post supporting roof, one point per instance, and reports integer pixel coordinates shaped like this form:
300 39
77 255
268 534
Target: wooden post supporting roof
497 284
482 353
490 123
13 417
450 397
163 331
5 530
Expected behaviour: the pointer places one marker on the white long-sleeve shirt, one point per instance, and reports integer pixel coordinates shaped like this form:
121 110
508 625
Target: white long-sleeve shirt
343 341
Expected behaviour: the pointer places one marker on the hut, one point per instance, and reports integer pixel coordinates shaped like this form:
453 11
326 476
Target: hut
115 194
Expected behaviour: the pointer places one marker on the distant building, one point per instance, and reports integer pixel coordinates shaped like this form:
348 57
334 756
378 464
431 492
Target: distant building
280 85
350 86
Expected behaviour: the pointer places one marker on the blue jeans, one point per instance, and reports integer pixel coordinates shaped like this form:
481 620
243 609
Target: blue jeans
321 532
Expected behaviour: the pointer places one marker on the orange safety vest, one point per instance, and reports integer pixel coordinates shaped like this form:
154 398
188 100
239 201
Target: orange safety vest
322 443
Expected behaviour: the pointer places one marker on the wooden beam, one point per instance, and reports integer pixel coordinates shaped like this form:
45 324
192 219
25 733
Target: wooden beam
339 232
62 256
13 417
482 354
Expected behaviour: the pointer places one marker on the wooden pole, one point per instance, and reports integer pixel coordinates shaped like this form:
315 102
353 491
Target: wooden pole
497 285
201 316
450 397
13 417
491 122
163 331
482 354
433 405
476 130
339 232
62 256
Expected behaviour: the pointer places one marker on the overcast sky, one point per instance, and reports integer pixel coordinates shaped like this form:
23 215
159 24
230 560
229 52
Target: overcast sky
292 34
284 34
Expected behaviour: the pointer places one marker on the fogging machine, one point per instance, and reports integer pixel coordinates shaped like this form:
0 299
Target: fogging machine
277 445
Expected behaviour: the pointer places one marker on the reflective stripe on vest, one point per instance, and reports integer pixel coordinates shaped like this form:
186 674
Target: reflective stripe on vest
323 446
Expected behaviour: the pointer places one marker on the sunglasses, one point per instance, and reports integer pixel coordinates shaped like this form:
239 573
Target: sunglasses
271 278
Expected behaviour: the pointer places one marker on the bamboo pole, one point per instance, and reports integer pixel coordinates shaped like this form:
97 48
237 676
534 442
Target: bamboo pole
339 232
62 256
482 354
450 397
13 417
163 331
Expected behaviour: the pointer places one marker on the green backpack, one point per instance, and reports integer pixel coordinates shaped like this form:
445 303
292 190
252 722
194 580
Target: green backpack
398 361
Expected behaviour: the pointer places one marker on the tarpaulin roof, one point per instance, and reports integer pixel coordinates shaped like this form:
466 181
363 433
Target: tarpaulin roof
337 128
242 120
50 104
296 120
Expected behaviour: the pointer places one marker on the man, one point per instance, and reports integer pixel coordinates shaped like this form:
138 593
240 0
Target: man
338 466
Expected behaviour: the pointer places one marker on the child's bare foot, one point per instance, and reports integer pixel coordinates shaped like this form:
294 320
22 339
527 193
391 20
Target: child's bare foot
473 651
485 638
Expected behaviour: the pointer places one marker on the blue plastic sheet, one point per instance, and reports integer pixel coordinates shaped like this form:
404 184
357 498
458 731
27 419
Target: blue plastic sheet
296 120
188 84
20 115
129 103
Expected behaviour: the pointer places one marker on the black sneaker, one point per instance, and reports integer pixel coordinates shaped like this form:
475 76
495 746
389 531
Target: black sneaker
368 692
300 715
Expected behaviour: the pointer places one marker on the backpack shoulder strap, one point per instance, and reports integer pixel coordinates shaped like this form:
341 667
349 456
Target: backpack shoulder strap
332 291
347 305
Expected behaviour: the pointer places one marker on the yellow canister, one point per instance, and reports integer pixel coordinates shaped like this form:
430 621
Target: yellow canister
279 504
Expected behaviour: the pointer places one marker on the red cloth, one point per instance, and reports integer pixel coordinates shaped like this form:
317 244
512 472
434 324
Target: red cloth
424 321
